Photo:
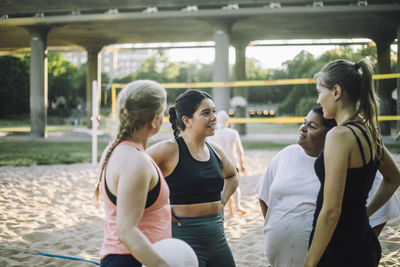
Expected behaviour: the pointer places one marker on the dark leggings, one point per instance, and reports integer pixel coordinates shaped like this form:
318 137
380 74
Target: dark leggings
123 260
206 236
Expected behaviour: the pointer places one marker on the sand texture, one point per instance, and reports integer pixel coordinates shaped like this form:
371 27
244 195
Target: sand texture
51 209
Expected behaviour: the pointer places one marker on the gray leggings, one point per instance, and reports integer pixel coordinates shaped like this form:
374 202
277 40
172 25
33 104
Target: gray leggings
206 236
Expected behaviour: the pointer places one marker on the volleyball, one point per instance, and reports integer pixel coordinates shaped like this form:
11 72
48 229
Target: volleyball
176 252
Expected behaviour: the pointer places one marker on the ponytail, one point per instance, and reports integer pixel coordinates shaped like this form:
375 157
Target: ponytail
368 107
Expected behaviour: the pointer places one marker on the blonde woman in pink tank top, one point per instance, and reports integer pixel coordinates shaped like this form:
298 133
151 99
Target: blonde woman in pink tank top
134 192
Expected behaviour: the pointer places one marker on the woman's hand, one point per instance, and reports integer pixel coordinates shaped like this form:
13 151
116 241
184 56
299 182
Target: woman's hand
174 220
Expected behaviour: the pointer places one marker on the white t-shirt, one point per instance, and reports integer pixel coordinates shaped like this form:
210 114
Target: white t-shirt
389 210
290 187
229 140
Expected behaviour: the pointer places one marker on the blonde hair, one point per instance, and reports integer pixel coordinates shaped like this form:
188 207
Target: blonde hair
137 104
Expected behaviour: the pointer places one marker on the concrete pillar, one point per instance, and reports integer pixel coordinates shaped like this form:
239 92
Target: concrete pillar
93 72
240 75
385 87
38 82
221 95
398 79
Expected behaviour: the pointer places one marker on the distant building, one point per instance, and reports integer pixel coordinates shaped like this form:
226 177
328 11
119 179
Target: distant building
117 63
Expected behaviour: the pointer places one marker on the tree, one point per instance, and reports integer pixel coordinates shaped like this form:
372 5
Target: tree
64 82
265 94
14 86
304 65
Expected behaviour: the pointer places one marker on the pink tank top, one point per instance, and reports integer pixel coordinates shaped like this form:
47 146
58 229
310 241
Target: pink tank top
155 223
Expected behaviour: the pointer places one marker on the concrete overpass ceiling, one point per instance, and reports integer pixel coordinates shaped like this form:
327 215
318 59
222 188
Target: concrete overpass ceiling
314 26
135 31
17 8
13 37
87 22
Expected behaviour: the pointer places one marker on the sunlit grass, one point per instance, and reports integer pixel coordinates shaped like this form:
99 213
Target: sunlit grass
24 153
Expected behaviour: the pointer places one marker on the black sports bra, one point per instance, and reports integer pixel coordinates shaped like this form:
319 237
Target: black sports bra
152 195
194 181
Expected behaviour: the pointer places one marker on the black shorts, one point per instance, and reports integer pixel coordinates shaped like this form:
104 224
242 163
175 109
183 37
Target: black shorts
120 260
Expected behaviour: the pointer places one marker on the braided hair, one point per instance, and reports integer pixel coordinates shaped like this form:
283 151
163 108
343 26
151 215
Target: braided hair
137 104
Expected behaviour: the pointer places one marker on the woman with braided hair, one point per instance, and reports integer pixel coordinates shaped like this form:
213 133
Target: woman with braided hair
135 194
353 151
200 176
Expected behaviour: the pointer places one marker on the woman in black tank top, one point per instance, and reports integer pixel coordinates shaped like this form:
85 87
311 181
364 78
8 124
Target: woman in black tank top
352 154
200 177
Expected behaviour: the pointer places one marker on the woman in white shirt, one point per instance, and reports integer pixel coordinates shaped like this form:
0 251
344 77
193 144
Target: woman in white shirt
288 191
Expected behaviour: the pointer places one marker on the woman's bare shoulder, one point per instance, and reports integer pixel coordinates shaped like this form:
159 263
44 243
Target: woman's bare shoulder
122 159
215 146
339 139
339 132
165 147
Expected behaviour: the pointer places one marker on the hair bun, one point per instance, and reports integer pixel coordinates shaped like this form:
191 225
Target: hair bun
172 110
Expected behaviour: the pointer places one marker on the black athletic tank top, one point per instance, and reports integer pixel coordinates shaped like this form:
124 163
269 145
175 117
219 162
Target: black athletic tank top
194 181
353 242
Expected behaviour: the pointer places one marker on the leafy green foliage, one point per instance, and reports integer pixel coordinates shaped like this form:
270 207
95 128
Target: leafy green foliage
265 94
304 65
305 105
14 86
64 80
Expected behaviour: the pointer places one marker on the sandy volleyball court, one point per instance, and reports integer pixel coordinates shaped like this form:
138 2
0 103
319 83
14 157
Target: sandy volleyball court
50 209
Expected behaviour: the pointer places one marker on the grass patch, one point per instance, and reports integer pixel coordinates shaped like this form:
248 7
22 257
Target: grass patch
46 153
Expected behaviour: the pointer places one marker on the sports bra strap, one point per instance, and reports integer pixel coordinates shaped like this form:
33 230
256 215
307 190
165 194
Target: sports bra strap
215 153
359 143
366 137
